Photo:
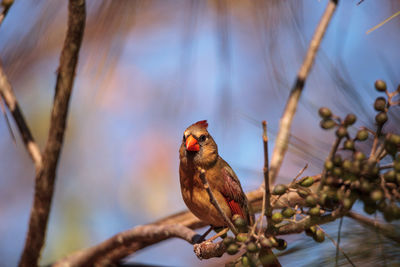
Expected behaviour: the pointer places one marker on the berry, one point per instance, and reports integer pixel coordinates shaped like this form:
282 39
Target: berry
380 86
325 113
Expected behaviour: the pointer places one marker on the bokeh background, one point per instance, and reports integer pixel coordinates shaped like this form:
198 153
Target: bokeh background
147 70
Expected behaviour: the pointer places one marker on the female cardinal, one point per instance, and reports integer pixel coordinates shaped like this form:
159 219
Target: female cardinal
199 150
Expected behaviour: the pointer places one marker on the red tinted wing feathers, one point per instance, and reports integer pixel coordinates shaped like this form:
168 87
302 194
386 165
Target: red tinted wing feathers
233 193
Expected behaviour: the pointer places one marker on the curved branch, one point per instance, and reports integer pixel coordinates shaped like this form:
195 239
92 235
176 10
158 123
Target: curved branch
45 176
11 101
145 233
282 139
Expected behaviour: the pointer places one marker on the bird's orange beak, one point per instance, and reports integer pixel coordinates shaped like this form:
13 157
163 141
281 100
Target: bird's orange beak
192 144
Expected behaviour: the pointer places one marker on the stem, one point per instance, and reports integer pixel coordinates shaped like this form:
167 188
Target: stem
46 175
215 202
282 139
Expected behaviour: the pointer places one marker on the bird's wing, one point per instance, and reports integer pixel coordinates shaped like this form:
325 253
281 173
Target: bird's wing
233 193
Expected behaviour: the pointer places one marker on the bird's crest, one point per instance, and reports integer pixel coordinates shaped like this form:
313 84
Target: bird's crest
202 124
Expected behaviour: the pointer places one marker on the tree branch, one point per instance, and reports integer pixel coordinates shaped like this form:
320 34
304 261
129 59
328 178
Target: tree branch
266 208
185 219
282 139
45 177
12 104
144 233
387 230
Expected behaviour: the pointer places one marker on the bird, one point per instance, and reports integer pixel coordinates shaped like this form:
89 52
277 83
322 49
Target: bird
199 151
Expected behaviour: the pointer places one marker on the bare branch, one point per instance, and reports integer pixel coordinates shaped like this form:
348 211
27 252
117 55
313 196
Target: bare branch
267 209
307 222
45 177
6 7
144 233
387 230
12 104
215 202
282 139
208 250
186 219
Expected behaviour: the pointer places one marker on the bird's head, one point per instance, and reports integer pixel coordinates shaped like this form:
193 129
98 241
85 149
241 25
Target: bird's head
198 147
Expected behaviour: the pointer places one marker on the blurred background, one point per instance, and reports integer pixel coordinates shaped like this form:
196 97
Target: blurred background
147 70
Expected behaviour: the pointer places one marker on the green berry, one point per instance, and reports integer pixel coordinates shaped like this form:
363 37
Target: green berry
242 237
380 104
347 165
337 172
245 261
337 160
307 181
311 231
381 118
265 242
239 222
359 156
350 119
228 240
302 193
376 195
366 186
315 211
288 212
319 236
279 189
396 166
348 145
252 247
341 132
347 203
327 124
325 113
277 217
232 249
380 86
281 244
362 135
393 138
390 176
311 201
328 165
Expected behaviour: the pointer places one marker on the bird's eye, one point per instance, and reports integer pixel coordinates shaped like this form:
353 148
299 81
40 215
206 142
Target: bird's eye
184 137
202 138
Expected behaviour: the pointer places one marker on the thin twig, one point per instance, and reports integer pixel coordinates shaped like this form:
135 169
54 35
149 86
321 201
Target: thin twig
215 202
45 177
383 22
330 157
267 209
387 166
338 242
11 101
299 174
337 247
282 139
3 110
